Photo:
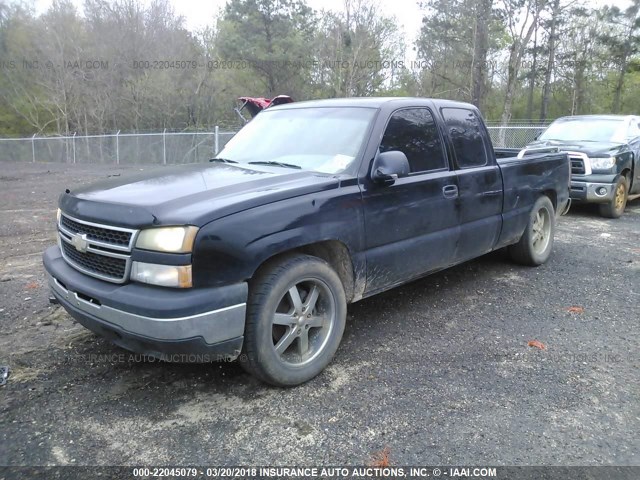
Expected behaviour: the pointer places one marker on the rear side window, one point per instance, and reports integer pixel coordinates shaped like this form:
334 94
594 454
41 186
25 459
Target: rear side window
467 136
413 131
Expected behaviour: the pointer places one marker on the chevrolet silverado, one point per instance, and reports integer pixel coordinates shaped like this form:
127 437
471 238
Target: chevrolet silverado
311 206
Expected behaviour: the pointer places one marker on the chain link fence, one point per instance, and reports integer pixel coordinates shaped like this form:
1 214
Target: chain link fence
173 148
127 149
514 135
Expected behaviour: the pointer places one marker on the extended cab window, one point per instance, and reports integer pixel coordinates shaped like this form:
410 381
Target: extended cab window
413 131
466 134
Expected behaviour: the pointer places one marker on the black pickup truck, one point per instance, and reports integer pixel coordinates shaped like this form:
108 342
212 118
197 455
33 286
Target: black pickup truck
311 206
604 151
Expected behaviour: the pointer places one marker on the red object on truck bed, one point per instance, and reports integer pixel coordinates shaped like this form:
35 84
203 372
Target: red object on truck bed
256 104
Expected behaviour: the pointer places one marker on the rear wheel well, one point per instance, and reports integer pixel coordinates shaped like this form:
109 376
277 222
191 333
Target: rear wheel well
334 252
553 197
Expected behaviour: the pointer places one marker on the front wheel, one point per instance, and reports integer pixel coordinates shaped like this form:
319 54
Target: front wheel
534 247
295 319
615 207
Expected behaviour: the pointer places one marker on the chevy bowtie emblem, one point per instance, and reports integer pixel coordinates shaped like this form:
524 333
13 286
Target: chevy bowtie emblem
80 242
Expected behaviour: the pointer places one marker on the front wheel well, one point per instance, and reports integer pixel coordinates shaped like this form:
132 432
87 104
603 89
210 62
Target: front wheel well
627 174
334 252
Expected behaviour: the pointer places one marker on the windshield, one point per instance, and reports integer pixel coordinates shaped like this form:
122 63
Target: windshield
585 129
322 139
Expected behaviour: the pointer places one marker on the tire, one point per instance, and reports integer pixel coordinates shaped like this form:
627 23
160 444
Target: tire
615 208
536 243
296 315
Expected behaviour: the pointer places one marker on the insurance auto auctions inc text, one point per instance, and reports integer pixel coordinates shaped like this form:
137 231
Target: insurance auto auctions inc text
376 472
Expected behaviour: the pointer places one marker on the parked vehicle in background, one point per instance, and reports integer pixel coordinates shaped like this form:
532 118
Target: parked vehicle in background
309 207
605 157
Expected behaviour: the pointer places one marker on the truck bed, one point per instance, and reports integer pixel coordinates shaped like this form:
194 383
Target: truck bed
524 179
506 152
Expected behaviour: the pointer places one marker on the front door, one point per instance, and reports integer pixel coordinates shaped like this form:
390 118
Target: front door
412 225
633 136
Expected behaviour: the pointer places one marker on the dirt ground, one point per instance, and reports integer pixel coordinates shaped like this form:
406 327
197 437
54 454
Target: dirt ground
438 371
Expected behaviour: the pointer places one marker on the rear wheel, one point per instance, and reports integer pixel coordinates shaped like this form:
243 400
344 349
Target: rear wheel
295 320
615 208
536 243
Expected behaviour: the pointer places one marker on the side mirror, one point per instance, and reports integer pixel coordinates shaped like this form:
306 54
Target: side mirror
389 166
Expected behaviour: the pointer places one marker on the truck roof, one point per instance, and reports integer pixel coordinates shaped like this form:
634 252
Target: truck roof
374 102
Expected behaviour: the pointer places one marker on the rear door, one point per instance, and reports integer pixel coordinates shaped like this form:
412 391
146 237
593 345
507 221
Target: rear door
479 182
412 225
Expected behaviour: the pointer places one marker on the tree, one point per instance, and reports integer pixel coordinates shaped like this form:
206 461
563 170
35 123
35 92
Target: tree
552 39
623 41
581 58
455 53
443 47
358 50
520 30
533 74
480 50
153 73
271 39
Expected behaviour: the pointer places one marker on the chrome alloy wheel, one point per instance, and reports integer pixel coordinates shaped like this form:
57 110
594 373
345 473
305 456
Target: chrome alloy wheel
303 321
619 198
541 230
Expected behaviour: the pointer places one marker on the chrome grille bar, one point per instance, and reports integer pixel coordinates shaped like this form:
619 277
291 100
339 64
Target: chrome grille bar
100 251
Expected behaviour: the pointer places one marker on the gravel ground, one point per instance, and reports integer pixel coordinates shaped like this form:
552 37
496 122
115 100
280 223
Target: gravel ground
438 371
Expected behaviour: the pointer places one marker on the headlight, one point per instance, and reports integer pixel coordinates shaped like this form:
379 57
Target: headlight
602 163
162 275
58 215
167 239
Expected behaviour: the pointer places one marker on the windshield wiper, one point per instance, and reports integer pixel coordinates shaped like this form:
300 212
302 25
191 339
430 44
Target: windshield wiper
277 164
222 160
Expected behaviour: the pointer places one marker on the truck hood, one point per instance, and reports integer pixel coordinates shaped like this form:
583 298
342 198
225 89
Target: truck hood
591 149
189 194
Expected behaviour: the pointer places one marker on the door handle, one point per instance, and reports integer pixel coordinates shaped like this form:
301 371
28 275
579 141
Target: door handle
450 191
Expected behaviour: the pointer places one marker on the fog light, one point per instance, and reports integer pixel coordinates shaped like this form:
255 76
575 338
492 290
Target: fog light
602 191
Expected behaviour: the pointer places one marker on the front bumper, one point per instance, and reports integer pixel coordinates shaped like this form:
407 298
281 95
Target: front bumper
589 191
201 325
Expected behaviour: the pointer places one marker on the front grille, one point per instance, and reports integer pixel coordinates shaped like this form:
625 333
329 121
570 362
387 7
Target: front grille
98 265
101 251
579 163
577 166
100 234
